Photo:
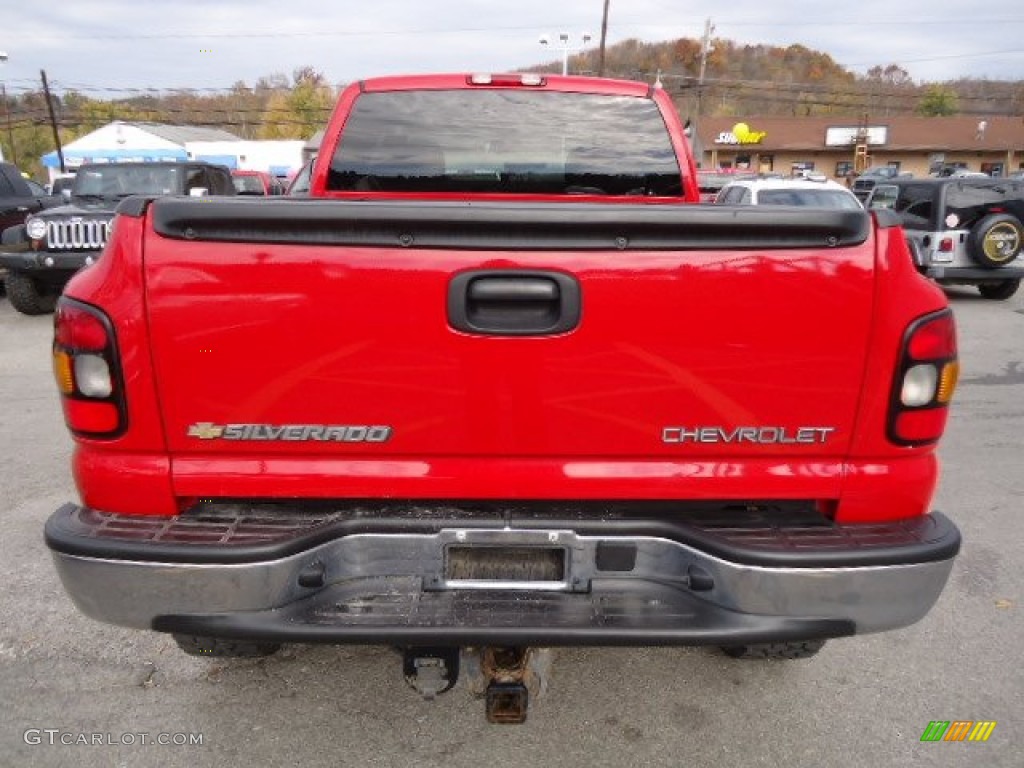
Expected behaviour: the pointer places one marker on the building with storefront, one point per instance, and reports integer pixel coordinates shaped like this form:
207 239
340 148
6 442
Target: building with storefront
829 145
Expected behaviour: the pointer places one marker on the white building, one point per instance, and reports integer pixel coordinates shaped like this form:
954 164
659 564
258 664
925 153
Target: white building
281 157
152 142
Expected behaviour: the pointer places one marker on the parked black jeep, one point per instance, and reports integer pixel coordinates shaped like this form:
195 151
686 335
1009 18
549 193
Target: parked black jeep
42 254
963 231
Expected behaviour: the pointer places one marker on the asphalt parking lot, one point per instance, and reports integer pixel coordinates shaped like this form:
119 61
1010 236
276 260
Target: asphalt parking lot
862 702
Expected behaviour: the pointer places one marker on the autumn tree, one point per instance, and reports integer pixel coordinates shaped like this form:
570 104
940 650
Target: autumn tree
938 101
889 89
300 111
25 133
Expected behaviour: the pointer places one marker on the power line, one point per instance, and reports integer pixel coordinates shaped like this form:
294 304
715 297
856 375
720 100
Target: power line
532 27
949 56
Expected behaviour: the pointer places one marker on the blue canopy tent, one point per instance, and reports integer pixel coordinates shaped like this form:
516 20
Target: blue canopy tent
76 157
231 161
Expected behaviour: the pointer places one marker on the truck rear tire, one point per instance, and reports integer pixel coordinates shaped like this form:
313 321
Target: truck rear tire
1000 291
801 649
28 296
195 645
996 240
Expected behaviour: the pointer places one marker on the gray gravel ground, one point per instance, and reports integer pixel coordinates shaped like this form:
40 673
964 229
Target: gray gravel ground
861 702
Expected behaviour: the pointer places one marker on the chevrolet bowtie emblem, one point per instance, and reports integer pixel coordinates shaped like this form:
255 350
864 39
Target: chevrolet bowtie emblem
205 430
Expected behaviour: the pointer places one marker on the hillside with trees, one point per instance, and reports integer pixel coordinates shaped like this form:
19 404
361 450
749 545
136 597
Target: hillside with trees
793 81
738 80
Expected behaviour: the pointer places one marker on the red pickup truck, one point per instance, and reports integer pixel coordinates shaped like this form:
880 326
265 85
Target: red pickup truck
499 383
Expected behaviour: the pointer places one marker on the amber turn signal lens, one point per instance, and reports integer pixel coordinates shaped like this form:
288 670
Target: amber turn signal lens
947 381
62 372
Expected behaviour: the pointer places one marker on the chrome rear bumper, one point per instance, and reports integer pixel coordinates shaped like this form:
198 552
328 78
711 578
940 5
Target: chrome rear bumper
620 586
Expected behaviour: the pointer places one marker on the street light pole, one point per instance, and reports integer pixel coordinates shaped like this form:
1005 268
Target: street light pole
565 47
7 115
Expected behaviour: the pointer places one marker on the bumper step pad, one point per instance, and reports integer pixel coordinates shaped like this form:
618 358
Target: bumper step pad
397 611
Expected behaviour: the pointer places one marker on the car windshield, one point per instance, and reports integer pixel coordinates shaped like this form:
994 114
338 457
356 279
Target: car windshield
884 196
124 180
300 184
248 185
712 181
505 141
811 198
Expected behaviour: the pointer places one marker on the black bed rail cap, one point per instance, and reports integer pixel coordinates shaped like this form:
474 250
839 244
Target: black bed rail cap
508 225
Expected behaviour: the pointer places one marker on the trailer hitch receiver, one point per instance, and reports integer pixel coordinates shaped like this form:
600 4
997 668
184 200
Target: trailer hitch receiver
506 703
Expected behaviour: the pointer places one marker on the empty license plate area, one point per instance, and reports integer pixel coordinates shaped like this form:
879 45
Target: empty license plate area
505 560
505 564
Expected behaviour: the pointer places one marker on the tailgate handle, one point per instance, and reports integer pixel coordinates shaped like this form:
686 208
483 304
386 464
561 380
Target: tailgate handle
513 303
512 289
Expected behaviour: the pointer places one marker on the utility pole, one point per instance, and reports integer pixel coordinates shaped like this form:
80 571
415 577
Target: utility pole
604 37
10 131
53 121
705 48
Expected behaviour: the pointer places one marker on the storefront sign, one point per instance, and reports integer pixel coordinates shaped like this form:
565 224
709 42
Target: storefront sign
846 135
740 134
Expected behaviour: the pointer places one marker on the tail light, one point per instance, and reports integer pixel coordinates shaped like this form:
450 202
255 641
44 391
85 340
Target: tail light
946 245
925 380
87 370
527 78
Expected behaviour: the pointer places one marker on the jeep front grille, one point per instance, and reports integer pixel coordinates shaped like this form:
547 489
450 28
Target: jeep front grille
77 234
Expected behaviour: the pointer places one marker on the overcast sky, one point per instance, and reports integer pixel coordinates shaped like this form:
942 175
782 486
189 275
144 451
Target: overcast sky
105 47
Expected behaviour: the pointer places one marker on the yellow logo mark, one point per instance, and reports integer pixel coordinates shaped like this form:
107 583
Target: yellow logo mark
982 730
746 136
741 134
958 730
205 430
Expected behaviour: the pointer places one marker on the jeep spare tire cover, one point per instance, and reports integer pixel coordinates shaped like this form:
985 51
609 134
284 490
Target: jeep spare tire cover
995 240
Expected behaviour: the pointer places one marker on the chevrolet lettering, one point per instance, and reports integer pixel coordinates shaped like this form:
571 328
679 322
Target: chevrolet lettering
757 435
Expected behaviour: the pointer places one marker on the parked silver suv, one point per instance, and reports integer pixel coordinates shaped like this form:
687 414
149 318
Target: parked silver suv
963 231
808 191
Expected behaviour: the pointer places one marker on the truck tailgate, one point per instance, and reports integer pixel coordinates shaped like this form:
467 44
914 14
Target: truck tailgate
310 330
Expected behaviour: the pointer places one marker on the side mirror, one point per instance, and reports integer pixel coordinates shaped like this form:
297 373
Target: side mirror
198 192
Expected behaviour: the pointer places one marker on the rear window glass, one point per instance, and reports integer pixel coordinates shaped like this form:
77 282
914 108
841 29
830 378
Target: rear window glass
914 204
811 198
969 202
124 180
505 141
